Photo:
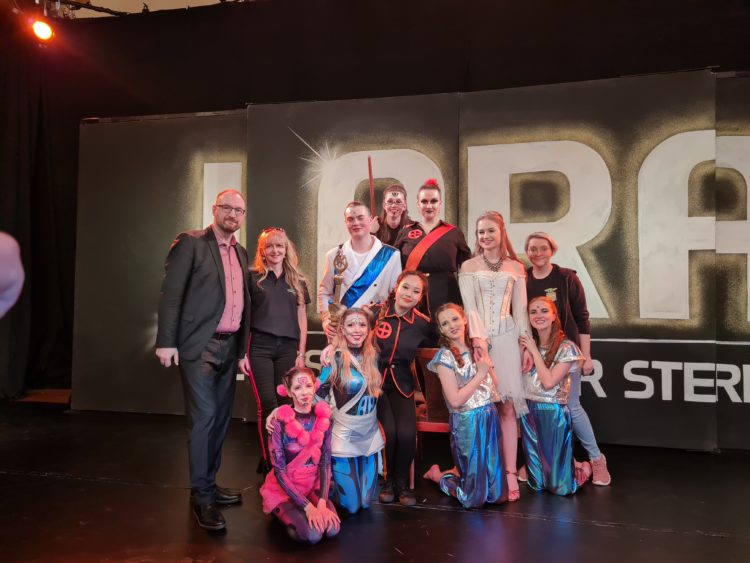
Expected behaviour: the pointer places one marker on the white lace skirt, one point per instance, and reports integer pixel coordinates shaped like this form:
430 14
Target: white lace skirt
505 354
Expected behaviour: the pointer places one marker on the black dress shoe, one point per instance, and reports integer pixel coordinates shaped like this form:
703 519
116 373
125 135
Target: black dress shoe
209 517
227 496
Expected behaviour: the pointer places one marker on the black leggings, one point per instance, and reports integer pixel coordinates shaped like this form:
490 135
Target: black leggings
398 417
270 358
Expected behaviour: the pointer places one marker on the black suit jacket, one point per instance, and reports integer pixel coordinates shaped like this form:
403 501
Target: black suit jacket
192 295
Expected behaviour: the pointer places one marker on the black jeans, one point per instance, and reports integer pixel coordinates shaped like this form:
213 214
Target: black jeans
208 384
270 358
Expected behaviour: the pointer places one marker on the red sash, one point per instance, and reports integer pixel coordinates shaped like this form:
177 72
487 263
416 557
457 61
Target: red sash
416 255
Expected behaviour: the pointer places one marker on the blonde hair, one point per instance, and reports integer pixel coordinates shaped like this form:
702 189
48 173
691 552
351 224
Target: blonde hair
341 371
506 247
294 278
541 235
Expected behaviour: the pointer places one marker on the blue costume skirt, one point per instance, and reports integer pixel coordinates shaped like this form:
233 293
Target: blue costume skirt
476 443
548 444
355 481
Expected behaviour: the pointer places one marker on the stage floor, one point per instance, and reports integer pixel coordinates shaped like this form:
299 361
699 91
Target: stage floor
83 487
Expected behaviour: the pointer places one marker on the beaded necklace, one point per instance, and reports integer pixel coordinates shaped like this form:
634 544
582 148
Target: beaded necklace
493 266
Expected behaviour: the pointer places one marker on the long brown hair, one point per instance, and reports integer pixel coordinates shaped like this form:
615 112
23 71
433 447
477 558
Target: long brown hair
506 247
293 276
556 333
341 371
447 342
382 233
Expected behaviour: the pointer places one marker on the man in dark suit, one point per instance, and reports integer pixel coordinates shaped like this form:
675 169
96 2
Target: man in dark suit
204 311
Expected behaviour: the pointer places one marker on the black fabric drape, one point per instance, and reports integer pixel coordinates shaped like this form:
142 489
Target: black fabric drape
35 335
19 120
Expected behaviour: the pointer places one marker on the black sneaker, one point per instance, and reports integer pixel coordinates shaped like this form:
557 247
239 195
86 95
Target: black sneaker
386 492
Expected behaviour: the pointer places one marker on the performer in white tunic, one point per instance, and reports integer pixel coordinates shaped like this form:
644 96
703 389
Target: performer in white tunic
371 268
493 288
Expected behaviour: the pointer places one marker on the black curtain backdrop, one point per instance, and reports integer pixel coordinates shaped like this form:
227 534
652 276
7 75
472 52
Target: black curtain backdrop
224 56
19 123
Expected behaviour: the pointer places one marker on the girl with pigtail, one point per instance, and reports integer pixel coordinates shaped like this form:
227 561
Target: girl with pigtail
296 491
470 392
351 384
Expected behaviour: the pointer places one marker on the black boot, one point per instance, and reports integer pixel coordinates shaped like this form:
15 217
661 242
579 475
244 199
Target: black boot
386 492
405 494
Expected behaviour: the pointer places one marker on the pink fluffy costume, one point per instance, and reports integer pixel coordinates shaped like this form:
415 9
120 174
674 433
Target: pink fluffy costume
300 448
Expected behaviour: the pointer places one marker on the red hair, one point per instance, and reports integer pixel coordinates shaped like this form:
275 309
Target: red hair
444 340
429 184
557 334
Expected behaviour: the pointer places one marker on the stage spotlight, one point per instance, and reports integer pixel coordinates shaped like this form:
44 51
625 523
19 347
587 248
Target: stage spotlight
42 30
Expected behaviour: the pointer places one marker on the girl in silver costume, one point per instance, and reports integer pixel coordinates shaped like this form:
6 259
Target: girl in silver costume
546 430
470 391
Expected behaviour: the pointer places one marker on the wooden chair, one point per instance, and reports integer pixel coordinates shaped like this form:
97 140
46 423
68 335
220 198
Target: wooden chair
433 418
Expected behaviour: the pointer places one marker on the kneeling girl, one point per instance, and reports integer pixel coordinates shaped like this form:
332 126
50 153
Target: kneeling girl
296 491
546 430
470 391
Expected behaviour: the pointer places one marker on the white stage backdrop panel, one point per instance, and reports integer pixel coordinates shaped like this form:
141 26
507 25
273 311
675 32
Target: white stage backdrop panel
642 180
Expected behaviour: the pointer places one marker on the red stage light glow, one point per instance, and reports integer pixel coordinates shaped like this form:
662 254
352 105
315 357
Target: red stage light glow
42 30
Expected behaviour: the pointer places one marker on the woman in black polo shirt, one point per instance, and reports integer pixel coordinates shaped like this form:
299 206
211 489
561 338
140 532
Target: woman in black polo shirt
278 322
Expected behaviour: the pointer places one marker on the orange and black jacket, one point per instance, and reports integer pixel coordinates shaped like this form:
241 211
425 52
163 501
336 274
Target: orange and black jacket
398 339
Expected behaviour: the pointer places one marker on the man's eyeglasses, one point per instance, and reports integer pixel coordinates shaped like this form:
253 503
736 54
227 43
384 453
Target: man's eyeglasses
228 209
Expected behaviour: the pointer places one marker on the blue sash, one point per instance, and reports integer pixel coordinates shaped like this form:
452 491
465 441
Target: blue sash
371 273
